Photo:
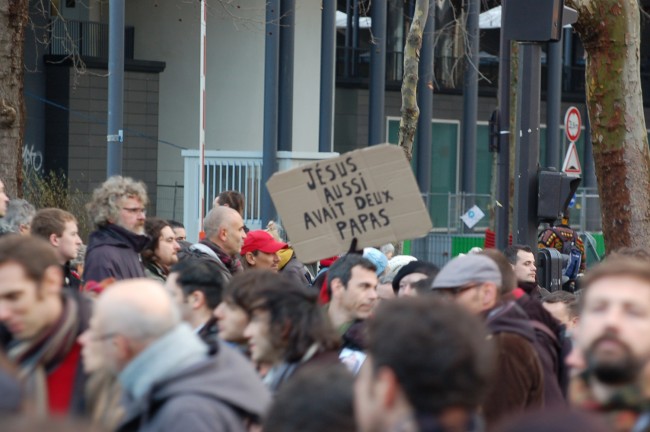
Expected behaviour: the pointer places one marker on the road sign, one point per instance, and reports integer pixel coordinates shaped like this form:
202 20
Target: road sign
571 163
572 124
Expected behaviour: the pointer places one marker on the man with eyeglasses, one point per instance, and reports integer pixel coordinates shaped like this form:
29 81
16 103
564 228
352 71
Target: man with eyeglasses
475 282
118 210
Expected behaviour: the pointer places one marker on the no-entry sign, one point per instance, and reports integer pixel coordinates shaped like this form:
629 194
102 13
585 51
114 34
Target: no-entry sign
572 124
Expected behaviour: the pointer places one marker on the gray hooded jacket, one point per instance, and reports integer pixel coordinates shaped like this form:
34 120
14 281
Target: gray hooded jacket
220 393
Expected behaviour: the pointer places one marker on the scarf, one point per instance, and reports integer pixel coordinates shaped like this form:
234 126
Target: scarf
35 358
233 265
626 410
178 349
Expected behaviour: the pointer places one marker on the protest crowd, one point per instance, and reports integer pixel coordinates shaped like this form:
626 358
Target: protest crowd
144 329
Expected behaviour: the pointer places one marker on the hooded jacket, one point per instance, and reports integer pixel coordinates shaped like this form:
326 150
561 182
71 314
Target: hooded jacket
114 251
220 393
519 380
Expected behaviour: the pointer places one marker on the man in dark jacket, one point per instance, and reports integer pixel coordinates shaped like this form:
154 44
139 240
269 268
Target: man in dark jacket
40 326
118 210
474 281
171 380
288 330
224 238
522 260
197 287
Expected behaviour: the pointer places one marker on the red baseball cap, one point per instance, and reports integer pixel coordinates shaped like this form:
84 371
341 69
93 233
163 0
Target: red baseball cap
262 241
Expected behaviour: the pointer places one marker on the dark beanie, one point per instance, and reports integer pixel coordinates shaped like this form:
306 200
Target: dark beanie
425 267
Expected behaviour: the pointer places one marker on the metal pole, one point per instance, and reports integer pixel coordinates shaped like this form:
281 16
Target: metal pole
376 126
425 102
589 169
202 70
115 133
327 76
470 103
270 134
285 105
528 125
503 159
348 37
553 104
355 37
568 54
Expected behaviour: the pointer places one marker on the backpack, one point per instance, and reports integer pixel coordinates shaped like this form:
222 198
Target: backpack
568 240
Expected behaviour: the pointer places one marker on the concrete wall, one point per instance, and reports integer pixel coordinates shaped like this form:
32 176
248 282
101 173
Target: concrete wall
76 139
169 31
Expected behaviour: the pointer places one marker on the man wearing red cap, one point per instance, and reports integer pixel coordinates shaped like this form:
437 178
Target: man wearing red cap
260 251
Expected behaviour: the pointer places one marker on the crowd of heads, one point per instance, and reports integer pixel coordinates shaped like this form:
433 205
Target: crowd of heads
234 329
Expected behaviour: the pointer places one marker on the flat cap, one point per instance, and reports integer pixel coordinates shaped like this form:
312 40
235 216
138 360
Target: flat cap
466 270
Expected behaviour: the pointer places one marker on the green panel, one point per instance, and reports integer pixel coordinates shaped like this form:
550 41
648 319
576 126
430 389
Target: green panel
443 166
484 160
462 244
443 170
600 243
406 250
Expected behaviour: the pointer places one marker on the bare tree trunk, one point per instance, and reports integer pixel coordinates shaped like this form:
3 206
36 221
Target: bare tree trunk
610 33
13 19
410 111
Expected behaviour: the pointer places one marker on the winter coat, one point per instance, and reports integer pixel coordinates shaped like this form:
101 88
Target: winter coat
209 251
114 252
220 393
552 348
519 380
295 270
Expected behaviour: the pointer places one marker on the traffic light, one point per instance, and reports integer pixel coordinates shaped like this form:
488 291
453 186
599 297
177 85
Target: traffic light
555 190
549 18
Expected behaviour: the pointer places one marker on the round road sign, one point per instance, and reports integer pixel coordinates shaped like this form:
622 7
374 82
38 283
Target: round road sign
572 124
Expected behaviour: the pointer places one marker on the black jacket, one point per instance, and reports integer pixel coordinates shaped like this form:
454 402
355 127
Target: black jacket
114 252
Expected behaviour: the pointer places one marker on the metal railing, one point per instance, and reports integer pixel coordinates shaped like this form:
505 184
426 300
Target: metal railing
232 170
169 201
447 208
353 65
85 38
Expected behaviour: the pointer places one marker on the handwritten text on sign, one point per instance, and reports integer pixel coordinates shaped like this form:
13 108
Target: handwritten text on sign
369 194
341 180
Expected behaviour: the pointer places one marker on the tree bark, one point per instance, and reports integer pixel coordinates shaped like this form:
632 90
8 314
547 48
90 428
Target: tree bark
610 33
13 20
410 111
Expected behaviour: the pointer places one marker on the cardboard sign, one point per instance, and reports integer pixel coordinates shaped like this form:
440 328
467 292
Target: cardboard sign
370 194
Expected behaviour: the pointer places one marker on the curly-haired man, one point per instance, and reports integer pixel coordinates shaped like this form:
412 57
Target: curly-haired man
118 210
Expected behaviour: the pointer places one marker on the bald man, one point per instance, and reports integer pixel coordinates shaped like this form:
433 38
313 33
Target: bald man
171 379
224 236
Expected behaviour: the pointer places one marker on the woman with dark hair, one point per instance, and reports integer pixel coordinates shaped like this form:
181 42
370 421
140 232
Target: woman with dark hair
162 250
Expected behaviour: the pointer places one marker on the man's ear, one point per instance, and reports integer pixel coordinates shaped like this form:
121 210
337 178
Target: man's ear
387 387
336 285
197 299
489 293
52 281
54 240
223 234
250 258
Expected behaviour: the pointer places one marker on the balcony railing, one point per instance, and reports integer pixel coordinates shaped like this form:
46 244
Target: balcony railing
85 38
353 67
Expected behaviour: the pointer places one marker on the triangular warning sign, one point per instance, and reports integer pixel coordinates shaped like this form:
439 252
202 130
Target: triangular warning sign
572 161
